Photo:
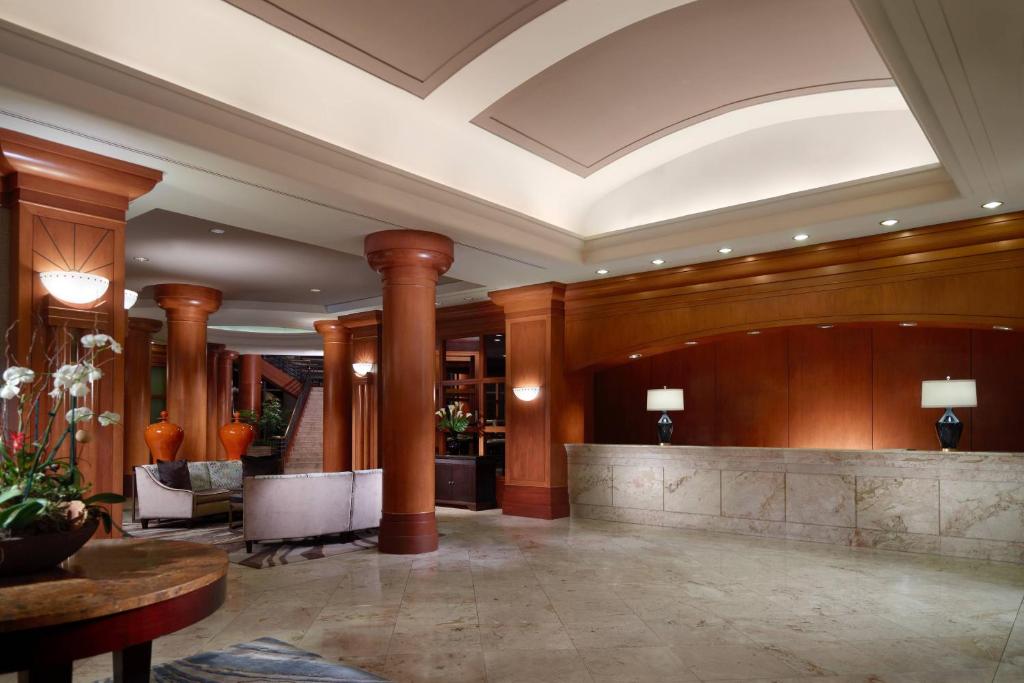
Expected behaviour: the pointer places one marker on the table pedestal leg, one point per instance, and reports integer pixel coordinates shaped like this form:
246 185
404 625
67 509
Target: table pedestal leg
131 665
59 672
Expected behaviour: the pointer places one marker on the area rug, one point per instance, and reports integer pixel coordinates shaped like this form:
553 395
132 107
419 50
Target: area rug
265 659
271 554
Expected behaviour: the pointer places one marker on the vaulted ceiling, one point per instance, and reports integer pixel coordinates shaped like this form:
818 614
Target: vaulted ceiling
548 138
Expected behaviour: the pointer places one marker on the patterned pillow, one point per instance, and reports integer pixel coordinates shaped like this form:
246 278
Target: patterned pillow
200 476
225 474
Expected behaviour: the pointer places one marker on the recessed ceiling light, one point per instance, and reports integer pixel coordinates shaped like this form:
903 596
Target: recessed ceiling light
725 250
634 356
908 323
315 290
994 204
889 222
218 231
1002 328
141 259
602 271
658 261
801 236
825 326
754 332
691 342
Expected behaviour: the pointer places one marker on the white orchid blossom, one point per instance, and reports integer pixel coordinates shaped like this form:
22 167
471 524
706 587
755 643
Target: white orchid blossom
108 418
79 390
9 391
99 341
17 375
79 415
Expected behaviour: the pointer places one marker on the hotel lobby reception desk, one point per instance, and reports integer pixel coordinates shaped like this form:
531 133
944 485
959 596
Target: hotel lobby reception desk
958 503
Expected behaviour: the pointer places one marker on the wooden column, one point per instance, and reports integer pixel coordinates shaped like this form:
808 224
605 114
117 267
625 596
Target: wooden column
337 417
225 390
213 447
537 431
66 211
366 337
187 307
409 263
250 382
137 390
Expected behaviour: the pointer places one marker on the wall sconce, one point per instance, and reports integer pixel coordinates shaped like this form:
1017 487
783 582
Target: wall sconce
130 297
362 369
74 287
526 393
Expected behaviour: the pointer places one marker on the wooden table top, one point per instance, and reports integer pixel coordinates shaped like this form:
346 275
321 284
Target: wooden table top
108 577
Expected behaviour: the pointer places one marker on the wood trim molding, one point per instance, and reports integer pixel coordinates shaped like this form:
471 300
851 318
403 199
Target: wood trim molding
539 502
481 317
962 273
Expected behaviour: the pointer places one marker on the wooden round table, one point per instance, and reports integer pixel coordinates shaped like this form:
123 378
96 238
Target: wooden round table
112 596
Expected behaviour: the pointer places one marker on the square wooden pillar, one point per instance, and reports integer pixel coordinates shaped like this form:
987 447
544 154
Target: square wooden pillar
536 431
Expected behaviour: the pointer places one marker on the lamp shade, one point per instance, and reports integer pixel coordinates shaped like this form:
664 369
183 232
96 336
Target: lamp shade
948 393
130 297
74 287
664 399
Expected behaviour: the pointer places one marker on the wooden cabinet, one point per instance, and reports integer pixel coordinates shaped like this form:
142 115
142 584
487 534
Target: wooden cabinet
465 482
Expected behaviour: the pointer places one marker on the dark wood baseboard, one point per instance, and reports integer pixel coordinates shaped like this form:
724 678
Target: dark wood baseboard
407 533
538 502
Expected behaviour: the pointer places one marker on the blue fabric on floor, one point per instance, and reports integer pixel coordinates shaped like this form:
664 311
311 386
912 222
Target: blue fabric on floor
265 659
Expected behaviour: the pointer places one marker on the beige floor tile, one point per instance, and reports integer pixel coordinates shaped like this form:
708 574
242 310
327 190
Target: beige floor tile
545 666
734 662
519 636
626 630
635 665
443 667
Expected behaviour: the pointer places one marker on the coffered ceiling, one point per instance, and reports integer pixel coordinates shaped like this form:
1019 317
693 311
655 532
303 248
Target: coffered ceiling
413 44
549 139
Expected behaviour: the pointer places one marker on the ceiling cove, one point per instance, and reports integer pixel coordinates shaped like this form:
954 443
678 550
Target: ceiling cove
412 44
680 67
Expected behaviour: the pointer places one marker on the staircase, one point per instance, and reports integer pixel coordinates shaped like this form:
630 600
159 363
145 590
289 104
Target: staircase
306 449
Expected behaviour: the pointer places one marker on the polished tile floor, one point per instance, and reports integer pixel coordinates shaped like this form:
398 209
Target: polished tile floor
511 599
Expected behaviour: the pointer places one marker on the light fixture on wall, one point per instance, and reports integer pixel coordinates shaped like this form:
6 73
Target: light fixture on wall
949 393
130 297
664 399
362 369
74 287
526 393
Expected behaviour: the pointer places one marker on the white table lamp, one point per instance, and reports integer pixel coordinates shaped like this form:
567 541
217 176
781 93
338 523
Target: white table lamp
949 393
664 399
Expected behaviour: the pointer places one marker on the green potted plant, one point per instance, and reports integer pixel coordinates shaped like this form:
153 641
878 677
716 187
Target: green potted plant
46 512
454 422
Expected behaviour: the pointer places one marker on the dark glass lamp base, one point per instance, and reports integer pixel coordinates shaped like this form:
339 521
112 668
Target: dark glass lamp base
664 430
949 428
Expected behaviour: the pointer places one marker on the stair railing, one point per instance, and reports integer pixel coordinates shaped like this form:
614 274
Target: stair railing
297 412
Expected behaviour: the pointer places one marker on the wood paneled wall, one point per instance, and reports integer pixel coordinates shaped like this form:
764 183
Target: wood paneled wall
965 273
856 386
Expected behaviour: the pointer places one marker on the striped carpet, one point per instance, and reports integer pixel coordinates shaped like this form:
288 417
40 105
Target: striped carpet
214 531
266 659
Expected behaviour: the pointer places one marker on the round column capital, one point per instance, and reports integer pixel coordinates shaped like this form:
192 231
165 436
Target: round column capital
418 249
144 325
332 330
187 302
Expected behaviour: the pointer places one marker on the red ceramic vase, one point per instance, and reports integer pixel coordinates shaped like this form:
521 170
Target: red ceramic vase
163 438
236 437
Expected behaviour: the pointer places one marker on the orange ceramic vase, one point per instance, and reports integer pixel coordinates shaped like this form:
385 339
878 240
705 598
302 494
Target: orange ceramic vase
163 438
236 437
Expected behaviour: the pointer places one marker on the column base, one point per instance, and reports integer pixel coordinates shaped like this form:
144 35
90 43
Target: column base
538 502
407 533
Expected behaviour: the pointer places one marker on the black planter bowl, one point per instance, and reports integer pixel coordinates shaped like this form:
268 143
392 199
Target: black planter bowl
30 554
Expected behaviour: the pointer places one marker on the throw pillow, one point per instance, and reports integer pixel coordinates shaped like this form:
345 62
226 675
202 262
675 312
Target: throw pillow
225 474
199 473
174 473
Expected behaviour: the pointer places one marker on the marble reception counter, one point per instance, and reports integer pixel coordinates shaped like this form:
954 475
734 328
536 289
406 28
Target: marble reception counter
962 504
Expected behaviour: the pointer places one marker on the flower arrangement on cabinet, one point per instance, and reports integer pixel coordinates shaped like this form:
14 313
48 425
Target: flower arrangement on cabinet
454 422
41 485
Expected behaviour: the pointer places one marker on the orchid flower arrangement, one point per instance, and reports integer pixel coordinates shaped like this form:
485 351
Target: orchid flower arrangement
453 419
41 487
